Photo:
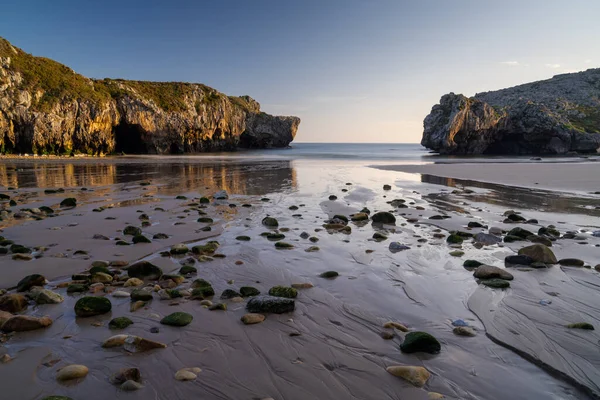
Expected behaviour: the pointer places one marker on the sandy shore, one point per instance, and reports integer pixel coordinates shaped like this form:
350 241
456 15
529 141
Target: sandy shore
582 177
331 346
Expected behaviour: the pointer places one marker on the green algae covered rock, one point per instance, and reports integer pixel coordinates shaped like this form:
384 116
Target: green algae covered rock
283 291
177 319
420 342
90 306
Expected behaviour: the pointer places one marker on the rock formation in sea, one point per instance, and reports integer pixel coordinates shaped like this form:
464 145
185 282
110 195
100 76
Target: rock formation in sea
47 108
555 116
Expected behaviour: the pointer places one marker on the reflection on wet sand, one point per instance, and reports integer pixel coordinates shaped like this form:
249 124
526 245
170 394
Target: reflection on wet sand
517 197
246 178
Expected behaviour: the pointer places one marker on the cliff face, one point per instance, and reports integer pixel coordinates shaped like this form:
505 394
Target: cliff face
45 107
555 116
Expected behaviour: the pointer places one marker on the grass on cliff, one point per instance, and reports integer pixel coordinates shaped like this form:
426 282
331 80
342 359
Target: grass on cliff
60 83
590 123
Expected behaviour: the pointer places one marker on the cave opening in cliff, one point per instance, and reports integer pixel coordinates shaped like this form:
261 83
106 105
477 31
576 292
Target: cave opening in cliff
130 139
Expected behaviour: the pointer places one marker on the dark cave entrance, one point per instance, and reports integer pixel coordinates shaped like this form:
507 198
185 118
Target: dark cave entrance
174 149
130 139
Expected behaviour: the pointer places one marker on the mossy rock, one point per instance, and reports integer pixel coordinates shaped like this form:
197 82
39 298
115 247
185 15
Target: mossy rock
496 283
329 274
205 220
122 243
230 294
275 236
180 197
173 293
547 231
46 209
539 253
6 242
19 249
29 281
140 294
515 218
144 270
270 222
187 269
313 239
581 325
179 249
471 264
119 323
69 202
361 216
202 289
140 239
247 291
511 239
243 238
204 200
177 319
283 246
206 249
332 197
341 217
454 239
384 217
475 224
218 306
77 288
4 196
90 306
132 231
99 268
420 342
283 291
160 236
520 232
457 253
379 237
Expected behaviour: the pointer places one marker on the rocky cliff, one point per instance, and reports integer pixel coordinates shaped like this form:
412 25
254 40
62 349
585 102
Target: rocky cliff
46 108
555 116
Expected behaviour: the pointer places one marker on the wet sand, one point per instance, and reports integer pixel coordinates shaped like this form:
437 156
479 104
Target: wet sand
522 349
567 177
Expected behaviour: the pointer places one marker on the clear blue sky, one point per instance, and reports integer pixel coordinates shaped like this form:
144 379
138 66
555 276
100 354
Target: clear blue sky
352 70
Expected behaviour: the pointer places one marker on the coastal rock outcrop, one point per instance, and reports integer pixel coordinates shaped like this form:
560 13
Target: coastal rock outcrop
555 116
47 108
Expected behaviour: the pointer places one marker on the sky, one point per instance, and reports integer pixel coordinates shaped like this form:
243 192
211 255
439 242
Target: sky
352 70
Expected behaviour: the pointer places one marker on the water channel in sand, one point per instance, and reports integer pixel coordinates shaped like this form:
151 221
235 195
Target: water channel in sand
522 349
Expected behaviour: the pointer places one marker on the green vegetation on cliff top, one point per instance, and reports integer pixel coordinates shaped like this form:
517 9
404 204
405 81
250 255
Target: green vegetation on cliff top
60 83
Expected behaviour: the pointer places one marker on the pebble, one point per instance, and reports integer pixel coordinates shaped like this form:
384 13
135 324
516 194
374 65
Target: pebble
185 374
130 385
464 331
396 247
252 318
417 376
70 372
396 325
120 293
306 285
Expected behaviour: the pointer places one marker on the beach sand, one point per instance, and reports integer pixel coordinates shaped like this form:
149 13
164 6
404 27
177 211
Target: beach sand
581 177
330 347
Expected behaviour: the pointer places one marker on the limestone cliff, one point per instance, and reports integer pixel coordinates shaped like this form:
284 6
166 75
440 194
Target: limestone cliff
46 108
555 116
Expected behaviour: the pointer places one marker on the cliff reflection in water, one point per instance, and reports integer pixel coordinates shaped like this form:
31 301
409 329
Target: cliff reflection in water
239 178
517 197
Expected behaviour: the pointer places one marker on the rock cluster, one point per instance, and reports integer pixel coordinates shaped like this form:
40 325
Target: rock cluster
555 116
70 113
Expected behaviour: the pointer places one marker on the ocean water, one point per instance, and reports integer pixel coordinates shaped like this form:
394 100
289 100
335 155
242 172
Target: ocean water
345 151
